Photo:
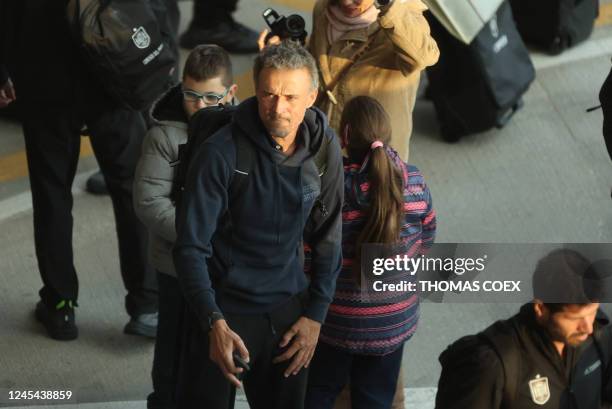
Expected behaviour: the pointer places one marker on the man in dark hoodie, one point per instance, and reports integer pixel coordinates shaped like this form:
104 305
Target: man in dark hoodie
207 81
238 257
555 353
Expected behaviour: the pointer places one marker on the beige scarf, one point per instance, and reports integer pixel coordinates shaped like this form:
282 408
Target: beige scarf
339 24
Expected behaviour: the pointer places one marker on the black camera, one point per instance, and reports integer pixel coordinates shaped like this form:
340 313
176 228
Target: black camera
292 27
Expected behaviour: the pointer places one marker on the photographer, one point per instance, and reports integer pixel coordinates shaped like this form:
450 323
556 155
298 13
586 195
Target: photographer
372 48
363 47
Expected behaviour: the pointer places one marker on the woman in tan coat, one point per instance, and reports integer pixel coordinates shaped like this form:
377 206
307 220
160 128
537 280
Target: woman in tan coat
379 51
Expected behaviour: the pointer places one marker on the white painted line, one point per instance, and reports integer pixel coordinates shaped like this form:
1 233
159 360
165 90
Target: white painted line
23 201
590 49
420 398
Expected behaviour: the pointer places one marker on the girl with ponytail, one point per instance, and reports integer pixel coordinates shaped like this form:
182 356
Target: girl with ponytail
386 203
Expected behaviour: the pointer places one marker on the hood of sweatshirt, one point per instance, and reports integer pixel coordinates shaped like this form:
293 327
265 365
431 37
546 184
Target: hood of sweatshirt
309 139
169 108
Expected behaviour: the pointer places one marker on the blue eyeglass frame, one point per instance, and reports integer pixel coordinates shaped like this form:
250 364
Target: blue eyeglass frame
196 96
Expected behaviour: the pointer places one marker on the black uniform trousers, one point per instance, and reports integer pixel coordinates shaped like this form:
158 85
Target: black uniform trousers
208 13
168 343
202 384
52 136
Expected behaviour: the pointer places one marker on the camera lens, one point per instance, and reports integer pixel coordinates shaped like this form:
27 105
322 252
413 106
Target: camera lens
295 24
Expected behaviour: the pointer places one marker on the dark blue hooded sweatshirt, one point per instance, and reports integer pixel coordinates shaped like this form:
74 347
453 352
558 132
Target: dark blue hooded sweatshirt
246 257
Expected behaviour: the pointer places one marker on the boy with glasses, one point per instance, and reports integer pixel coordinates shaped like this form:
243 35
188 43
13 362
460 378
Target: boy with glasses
207 80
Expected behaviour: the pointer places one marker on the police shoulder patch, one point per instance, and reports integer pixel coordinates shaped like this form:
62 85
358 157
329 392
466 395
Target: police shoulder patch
540 391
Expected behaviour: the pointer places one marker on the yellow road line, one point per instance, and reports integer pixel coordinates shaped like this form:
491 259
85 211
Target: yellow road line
605 15
300 5
15 165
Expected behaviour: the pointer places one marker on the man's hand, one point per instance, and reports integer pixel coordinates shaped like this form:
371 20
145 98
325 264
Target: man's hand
305 334
262 43
223 343
7 94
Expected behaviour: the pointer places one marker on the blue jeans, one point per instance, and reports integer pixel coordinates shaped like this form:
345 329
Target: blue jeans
373 379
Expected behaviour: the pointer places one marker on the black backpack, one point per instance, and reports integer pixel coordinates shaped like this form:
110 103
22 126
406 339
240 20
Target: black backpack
203 124
501 338
124 47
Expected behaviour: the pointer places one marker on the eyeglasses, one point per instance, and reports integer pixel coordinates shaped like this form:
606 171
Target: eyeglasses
209 98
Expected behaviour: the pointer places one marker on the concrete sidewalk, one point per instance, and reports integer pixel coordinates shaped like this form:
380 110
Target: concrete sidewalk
546 177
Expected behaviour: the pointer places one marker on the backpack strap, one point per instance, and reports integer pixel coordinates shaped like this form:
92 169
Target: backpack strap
600 340
333 83
320 158
501 336
245 164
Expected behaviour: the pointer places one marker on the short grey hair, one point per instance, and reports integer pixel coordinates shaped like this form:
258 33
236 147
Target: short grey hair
288 55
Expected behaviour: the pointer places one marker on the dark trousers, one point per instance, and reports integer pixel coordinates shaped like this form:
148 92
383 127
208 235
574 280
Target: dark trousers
202 384
208 13
167 344
168 16
52 137
373 378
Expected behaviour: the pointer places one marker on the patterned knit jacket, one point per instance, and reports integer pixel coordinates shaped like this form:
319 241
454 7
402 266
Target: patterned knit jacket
361 320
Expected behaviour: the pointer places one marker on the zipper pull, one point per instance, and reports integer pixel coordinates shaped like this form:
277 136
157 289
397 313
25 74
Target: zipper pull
324 211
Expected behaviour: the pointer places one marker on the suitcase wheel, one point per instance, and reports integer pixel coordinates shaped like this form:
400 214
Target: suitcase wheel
450 135
505 118
558 45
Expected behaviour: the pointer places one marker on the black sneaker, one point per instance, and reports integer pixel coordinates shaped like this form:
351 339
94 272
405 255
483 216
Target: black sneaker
58 320
231 35
96 184
144 325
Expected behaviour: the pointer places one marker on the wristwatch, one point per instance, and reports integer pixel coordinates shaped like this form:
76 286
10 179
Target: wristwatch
214 317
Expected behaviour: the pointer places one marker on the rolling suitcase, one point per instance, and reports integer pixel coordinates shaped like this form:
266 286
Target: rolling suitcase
555 25
479 86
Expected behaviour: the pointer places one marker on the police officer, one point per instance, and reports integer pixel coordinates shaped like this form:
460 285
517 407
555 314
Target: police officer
549 355
213 23
58 96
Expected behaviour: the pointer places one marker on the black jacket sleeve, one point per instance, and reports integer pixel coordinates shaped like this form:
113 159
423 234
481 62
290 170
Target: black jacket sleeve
325 234
471 380
605 97
4 35
203 203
